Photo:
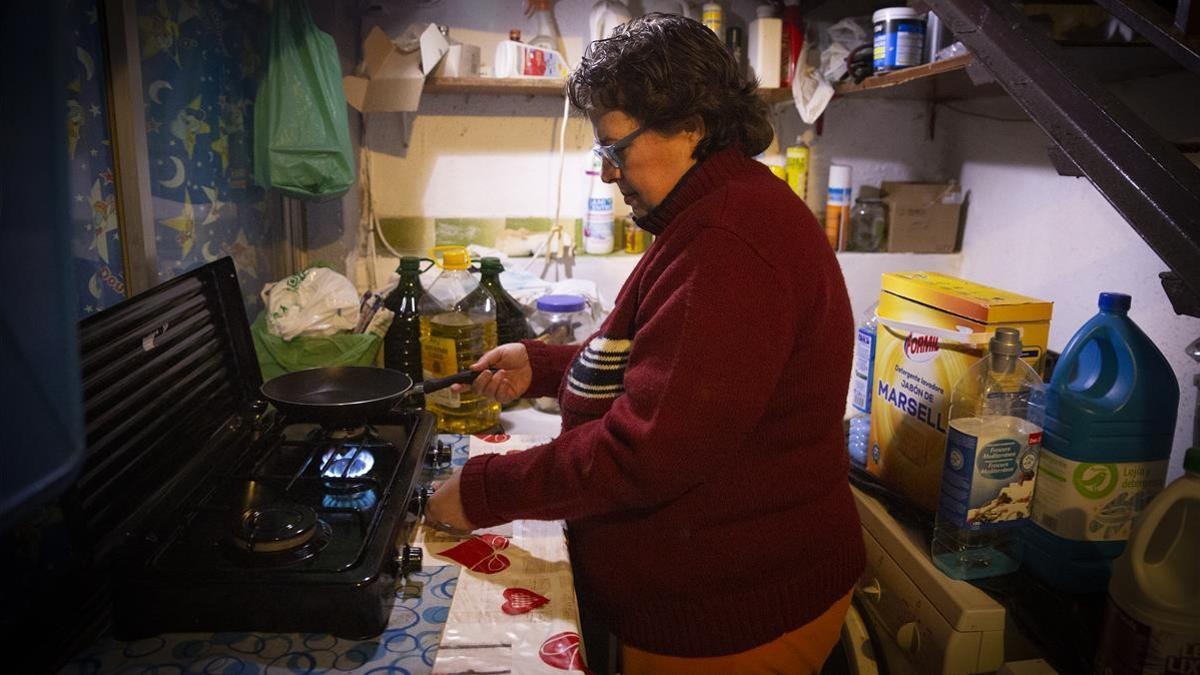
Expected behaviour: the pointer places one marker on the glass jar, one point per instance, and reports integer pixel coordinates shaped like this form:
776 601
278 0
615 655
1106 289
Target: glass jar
560 320
868 225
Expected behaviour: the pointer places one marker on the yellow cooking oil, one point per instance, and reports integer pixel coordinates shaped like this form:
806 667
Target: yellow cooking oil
451 342
457 328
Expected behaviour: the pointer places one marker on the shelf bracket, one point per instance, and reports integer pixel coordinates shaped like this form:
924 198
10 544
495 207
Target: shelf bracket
1145 178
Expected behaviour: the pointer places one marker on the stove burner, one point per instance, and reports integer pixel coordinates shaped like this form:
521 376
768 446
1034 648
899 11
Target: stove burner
275 527
346 433
349 461
351 501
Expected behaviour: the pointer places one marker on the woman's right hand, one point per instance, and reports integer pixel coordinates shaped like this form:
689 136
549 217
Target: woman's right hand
511 377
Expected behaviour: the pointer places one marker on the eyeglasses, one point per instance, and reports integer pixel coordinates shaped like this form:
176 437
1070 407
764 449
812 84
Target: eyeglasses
611 153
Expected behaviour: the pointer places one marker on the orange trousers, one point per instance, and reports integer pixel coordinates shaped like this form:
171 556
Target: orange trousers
799 652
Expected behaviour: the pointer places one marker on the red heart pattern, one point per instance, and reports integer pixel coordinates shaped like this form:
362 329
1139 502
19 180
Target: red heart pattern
521 600
493 438
561 651
480 553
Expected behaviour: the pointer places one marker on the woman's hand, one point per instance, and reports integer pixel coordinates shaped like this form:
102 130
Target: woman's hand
444 510
511 378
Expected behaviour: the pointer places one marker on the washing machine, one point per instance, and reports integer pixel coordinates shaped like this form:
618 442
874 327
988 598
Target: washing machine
918 620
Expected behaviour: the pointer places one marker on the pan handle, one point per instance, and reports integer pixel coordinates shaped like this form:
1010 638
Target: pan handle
465 377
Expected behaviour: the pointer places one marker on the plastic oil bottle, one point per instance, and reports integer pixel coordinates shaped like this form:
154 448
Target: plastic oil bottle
402 342
991 459
1110 421
1153 620
511 324
456 329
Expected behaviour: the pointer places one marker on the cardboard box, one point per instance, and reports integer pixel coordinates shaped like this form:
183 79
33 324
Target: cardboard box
923 217
392 80
931 329
460 61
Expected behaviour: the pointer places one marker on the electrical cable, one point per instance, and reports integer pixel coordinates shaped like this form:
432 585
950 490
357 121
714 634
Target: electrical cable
985 116
555 227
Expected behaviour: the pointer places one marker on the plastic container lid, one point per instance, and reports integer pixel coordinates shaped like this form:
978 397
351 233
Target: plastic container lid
1006 342
562 303
765 11
453 257
839 176
1115 302
894 13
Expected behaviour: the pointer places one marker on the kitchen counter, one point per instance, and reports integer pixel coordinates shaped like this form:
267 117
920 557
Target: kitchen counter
408 644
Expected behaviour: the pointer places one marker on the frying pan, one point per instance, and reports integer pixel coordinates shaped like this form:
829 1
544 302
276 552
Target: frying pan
349 395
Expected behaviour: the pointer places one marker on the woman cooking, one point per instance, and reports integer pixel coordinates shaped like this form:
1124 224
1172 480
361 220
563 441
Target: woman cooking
701 466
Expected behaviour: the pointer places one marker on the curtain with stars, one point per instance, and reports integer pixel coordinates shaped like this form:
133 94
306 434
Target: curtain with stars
201 62
96 242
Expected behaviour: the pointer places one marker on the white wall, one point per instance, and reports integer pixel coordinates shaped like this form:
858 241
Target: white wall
1032 231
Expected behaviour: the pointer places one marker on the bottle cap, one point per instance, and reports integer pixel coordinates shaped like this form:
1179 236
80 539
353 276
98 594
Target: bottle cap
514 34
491 264
1115 302
1191 460
409 263
453 257
1006 342
765 11
562 303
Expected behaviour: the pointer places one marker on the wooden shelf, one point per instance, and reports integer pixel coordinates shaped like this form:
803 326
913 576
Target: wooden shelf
512 86
905 75
916 82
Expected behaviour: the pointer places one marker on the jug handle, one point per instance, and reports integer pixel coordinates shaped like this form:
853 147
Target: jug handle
1140 541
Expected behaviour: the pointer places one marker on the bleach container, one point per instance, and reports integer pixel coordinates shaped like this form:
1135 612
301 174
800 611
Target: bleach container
1153 620
1109 423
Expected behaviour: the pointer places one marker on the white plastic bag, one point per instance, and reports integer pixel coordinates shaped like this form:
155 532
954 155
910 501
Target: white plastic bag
317 301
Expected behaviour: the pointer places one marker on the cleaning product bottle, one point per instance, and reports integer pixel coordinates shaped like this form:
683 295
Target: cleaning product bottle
793 31
991 456
598 224
511 324
797 168
1153 620
1110 420
547 36
402 342
456 329
860 387
837 205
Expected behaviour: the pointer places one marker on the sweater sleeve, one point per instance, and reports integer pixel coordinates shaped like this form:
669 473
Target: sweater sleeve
702 368
548 363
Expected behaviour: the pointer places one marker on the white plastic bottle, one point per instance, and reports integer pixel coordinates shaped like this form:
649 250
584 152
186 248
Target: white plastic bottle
598 223
1153 619
764 45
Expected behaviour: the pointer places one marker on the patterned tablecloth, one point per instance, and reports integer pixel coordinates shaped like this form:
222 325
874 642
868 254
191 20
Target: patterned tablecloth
547 631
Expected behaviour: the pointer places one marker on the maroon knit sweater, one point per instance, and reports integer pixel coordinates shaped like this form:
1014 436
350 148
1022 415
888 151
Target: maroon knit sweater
701 466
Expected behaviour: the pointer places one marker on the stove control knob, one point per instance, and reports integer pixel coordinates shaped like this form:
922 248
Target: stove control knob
439 455
908 636
410 560
420 498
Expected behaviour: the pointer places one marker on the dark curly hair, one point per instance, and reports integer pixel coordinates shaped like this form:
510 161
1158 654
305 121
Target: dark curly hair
662 69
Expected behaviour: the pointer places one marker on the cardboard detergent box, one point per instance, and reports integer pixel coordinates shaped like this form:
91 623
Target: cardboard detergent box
931 328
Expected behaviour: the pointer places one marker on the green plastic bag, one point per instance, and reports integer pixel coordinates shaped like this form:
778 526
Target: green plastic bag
301 137
277 356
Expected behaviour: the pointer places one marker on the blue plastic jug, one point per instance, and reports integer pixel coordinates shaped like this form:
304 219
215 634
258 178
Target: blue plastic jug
1109 422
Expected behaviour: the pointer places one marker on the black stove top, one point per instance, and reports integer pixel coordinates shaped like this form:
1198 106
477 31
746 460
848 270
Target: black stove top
208 512
306 531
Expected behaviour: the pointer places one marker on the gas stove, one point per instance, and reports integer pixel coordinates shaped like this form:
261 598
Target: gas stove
205 510
306 531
